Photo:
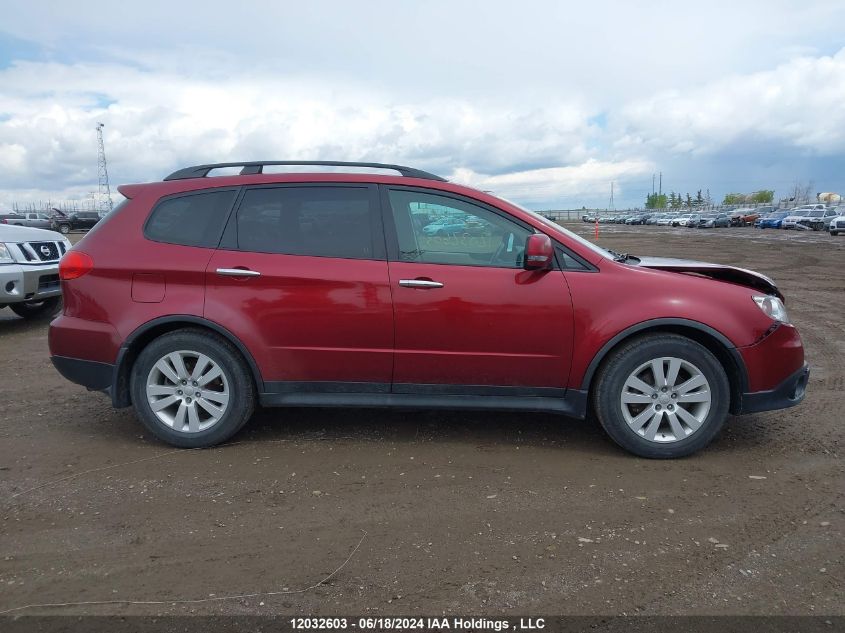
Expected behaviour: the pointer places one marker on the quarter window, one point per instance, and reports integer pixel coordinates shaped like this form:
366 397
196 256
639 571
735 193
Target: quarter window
438 229
316 221
190 220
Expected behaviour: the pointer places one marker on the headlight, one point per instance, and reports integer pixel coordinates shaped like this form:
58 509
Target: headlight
773 307
5 255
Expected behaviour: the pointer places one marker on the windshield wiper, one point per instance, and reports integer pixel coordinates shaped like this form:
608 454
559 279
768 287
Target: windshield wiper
622 257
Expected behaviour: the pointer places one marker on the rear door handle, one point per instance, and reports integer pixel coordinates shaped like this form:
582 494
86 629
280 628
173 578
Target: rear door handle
237 272
419 283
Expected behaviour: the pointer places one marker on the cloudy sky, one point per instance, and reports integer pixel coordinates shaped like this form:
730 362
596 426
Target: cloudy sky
545 103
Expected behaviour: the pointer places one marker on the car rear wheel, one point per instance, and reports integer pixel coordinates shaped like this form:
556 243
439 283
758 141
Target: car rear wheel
662 396
37 309
192 389
64 229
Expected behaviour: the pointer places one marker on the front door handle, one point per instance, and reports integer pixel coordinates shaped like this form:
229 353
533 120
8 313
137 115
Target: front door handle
419 283
237 272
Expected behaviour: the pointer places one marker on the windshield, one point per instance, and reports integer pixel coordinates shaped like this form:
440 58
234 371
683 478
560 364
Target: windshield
815 214
558 227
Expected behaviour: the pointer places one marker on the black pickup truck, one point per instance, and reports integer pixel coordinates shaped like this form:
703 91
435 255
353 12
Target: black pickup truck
79 220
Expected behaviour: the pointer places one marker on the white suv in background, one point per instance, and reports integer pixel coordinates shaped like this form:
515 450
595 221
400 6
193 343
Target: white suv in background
837 223
29 270
798 213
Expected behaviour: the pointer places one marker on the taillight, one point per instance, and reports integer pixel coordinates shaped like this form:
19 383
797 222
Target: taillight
75 264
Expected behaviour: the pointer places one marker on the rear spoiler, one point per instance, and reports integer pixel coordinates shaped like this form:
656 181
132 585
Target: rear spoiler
130 191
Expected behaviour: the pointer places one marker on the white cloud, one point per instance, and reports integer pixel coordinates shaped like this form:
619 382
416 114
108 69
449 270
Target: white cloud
587 180
544 102
157 121
800 103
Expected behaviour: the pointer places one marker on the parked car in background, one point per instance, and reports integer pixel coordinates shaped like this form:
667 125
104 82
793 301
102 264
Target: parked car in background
751 216
837 223
76 221
791 220
817 219
445 227
9 217
655 217
680 220
666 220
713 220
639 218
806 217
32 220
29 270
773 220
693 220
198 299
736 216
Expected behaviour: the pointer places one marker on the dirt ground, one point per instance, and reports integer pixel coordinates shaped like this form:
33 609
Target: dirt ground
459 512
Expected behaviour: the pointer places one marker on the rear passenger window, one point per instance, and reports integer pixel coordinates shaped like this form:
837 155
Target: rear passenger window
316 221
191 220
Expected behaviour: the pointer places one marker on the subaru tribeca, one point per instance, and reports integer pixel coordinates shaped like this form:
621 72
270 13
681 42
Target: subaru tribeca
204 295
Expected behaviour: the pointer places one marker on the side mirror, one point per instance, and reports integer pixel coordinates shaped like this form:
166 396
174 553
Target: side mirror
539 253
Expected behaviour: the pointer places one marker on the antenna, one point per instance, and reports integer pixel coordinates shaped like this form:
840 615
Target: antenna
104 201
610 206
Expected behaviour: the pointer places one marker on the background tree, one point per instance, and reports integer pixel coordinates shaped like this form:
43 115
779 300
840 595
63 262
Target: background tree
699 199
734 198
676 201
688 201
708 199
801 192
656 201
763 196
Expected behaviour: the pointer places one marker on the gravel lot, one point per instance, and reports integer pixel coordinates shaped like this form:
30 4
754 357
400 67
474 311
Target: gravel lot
459 512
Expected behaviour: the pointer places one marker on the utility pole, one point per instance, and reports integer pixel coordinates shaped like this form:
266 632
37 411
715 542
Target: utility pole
610 206
105 203
660 189
652 184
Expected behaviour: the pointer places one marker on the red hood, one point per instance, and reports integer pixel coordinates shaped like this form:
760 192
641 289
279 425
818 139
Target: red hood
719 272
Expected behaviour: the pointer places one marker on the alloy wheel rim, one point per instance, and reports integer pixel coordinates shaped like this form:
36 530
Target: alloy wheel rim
187 391
666 399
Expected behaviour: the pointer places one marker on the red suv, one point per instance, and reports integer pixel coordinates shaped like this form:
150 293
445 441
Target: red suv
204 295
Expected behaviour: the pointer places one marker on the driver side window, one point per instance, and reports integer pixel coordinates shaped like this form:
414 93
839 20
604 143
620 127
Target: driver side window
435 229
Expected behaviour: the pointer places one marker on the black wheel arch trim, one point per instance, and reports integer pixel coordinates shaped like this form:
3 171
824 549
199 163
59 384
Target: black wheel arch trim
651 324
120 384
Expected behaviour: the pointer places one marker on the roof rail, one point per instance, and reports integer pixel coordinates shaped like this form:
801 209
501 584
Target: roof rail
257 167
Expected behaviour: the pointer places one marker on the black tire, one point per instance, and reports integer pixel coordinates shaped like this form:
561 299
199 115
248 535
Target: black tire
242 396
37 309
608 388
64 229
834 233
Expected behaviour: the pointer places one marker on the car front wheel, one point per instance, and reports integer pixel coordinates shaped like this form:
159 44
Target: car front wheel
37 309
192 389
662 396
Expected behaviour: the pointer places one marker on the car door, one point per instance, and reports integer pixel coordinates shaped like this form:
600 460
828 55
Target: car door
301 279
469 319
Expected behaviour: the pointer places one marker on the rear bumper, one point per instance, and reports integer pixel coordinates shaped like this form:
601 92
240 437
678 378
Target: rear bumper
787 394
88 373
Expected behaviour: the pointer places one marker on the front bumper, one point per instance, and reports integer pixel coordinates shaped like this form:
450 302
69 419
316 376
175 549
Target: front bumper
24 282
787 394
